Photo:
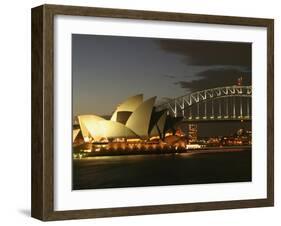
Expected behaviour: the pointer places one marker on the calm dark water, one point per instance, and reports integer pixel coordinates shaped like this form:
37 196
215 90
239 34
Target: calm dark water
159 170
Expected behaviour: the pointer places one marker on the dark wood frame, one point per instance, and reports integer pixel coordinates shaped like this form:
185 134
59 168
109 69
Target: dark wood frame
42 203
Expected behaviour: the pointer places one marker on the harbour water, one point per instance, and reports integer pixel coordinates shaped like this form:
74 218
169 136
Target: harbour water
196 167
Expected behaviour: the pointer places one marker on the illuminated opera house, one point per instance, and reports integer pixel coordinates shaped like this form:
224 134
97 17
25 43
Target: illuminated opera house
134 119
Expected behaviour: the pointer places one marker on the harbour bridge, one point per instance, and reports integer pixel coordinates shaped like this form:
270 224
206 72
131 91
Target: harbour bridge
229 103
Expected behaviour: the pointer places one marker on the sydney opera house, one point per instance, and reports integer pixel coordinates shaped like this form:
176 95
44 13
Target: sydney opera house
133 119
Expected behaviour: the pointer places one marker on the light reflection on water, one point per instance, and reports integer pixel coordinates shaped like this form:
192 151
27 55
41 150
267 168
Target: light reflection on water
162 169
139 157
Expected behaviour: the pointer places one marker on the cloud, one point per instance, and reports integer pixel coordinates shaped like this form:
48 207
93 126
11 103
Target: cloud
209 52
210 64
215 78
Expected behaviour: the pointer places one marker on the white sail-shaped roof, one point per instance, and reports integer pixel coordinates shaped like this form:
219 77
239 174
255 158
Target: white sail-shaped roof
140 118
86 122
99 128
111 129
130 105
132 119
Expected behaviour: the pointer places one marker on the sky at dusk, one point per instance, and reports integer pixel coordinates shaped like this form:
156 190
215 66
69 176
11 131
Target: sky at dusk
108 69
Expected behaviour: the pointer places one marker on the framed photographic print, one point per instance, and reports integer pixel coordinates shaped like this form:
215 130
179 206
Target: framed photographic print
141 112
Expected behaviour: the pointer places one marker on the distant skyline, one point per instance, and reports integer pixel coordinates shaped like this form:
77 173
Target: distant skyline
106 70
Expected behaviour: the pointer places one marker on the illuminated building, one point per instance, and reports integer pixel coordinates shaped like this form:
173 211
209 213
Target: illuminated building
132 119
192 133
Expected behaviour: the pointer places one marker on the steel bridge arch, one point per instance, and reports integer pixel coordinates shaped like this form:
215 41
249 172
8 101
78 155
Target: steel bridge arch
183 102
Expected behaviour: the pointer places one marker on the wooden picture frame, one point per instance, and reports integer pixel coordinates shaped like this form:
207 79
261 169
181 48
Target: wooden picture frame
42 205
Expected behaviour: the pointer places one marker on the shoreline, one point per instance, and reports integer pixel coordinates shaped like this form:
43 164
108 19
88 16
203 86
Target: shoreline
163 152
